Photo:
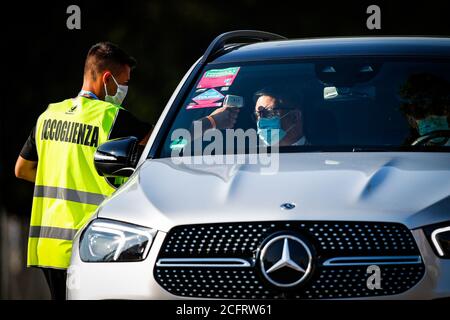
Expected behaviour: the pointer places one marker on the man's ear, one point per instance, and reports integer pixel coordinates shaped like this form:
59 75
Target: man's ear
412 122
106 76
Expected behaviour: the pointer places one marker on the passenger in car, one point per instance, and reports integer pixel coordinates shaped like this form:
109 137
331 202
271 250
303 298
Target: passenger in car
427 107
279 118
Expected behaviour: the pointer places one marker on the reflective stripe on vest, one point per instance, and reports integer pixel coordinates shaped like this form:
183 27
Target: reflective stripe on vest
52 233
68 189
68 194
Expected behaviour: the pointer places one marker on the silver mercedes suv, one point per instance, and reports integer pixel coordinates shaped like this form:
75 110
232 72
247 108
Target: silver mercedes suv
297 169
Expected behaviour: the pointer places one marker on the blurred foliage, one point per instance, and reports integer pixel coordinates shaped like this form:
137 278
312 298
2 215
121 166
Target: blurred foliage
44 60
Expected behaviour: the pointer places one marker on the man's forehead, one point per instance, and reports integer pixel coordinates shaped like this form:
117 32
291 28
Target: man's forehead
265 101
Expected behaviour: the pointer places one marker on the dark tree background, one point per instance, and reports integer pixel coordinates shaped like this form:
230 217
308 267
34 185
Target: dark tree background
44 60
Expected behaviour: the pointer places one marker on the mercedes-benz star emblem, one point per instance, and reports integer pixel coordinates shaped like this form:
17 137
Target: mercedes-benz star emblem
287 206
285 261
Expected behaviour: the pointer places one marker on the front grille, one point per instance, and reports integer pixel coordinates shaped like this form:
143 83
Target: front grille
332 243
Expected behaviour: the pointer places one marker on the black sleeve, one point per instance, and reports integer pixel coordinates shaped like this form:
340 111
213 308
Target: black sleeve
128 125
29 151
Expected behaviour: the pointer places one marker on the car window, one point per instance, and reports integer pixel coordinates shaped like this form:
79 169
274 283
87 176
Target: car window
322 104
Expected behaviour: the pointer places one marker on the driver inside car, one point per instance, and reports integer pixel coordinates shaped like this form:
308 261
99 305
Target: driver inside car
427 109
279 118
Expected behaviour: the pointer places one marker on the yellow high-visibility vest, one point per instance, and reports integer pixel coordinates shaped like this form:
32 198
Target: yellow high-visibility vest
68 189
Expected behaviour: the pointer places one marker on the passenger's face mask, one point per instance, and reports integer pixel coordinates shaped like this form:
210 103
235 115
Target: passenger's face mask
432 123
270 131
120 95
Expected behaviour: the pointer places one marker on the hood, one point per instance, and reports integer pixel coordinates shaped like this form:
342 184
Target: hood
409 188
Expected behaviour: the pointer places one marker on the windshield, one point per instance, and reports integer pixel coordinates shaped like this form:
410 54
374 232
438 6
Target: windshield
324 105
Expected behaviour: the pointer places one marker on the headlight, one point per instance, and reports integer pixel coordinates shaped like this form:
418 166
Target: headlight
111 241
440 238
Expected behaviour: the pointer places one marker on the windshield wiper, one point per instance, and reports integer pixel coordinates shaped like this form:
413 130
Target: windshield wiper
402 149
372 149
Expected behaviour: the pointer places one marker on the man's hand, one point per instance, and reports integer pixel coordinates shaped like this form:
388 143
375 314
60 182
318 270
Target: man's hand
26 169
225 117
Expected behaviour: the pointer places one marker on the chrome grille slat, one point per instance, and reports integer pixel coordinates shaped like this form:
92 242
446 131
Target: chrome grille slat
367 261
203 262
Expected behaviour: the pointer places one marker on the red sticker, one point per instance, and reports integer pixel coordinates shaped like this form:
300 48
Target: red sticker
218 78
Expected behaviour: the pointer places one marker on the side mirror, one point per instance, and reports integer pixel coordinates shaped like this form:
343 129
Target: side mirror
117 158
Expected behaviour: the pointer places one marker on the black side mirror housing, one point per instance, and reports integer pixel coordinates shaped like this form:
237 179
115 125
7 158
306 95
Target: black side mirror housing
117 158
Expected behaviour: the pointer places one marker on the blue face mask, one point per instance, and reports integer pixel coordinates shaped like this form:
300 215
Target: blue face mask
432 123
270 131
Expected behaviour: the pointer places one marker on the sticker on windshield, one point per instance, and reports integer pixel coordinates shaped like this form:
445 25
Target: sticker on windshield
212 95
178 144
218 78
204 105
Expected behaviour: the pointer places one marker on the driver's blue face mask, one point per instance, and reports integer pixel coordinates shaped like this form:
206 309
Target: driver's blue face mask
432 123
270 131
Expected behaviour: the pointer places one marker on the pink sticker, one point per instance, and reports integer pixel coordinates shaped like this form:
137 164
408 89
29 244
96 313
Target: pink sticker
203 105
218 78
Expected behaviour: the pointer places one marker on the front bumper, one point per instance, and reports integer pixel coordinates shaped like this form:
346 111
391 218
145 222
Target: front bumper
136 280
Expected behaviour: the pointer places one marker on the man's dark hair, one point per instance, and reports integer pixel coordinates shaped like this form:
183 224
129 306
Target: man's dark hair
285 98
106 56
425 94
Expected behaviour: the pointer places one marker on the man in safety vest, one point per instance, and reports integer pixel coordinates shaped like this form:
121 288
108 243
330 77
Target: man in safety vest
59 158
